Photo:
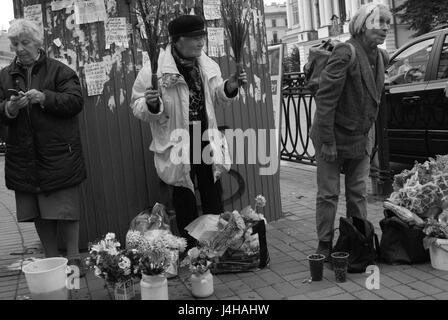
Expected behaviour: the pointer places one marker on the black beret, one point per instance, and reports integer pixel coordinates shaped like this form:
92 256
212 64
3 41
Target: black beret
187 26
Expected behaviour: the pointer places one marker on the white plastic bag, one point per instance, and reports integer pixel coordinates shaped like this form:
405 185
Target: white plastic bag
204 228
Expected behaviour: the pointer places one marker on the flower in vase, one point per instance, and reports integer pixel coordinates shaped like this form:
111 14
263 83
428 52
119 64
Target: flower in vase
154 249
199 259
98 271
109 262
124 263
110 236
154 262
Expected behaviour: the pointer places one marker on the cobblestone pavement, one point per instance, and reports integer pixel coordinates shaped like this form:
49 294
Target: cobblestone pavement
290 240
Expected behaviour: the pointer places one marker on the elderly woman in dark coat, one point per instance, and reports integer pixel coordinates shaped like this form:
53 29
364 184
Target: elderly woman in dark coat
39 102
347 106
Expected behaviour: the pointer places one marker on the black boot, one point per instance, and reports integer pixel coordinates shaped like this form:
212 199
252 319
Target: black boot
324 248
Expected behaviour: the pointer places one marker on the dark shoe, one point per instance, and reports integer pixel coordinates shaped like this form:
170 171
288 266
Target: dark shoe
80 264
324 248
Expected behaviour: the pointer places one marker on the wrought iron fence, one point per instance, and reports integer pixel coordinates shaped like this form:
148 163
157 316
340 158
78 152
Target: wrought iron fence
297 114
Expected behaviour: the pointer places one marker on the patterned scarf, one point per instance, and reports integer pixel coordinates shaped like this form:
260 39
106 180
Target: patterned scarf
189 69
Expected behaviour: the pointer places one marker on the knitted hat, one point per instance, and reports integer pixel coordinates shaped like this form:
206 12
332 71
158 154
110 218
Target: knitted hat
187 26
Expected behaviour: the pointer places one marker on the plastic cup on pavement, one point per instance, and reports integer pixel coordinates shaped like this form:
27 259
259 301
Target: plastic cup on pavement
316 266
340 264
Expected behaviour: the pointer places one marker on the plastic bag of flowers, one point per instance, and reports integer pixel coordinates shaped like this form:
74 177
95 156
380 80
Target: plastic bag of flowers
240 239
155 218
111 263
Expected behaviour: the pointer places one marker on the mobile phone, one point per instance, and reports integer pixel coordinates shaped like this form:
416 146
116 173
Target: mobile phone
13 92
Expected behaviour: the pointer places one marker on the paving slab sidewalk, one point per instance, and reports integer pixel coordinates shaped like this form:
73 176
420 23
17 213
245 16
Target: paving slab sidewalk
290 240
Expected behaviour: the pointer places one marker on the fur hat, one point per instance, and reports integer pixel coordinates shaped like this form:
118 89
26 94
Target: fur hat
187 26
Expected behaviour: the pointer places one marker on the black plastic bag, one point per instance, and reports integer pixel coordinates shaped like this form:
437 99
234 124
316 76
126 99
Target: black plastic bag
357 237
401 243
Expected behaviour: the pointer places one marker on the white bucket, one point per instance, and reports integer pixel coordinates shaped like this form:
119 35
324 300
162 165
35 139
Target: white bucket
47 279
438 252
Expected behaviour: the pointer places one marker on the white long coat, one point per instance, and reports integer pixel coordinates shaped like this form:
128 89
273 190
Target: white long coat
174 114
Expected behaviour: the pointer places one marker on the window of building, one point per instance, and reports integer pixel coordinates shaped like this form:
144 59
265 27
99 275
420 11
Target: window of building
316 12
294 5
286 22
275 37
273 23
342 11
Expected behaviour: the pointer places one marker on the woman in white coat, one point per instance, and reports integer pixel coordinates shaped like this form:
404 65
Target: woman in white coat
180 113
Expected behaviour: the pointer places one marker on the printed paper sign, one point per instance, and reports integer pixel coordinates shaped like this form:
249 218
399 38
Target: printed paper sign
116 32
88 11
212 9
95 74
216 42
57 5
34 13
57 42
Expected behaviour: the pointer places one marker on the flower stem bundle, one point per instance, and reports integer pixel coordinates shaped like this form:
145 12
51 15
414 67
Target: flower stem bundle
151 12
237 17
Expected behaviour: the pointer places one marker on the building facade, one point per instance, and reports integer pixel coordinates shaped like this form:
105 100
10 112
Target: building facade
311 21
6 55
276 22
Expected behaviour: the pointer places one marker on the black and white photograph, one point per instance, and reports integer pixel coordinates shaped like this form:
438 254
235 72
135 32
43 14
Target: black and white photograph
231 157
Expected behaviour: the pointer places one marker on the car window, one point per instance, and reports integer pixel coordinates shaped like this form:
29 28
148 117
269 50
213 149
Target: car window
442 70
410 65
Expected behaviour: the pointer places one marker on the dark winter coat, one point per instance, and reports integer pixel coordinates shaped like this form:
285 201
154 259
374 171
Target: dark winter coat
347 101
43 148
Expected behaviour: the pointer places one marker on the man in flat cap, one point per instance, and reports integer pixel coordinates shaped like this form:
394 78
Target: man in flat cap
190 88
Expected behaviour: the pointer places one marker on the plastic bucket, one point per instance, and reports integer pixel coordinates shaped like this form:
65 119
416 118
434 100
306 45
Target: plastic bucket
47 278
438 252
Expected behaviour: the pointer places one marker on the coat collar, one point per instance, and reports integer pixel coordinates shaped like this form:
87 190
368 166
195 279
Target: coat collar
168 65
374 83
17 67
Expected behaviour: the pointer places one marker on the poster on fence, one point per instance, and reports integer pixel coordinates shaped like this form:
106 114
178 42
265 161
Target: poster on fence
212 9
275 70
57 5
96 76
215 38
88 11
116 32
34 13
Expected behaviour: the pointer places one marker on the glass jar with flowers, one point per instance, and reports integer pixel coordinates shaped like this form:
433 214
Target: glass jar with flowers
199 260
154 249
113 265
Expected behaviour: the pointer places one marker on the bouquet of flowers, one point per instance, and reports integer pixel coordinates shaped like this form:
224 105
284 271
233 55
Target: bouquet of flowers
155 249
423 189
199 259
110 262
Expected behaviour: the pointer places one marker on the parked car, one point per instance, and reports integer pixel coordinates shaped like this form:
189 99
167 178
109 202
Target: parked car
416 99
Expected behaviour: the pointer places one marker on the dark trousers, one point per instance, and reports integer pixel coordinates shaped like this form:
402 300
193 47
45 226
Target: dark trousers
184 201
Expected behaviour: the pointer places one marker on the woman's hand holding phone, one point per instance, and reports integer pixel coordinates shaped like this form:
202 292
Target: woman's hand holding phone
17 101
